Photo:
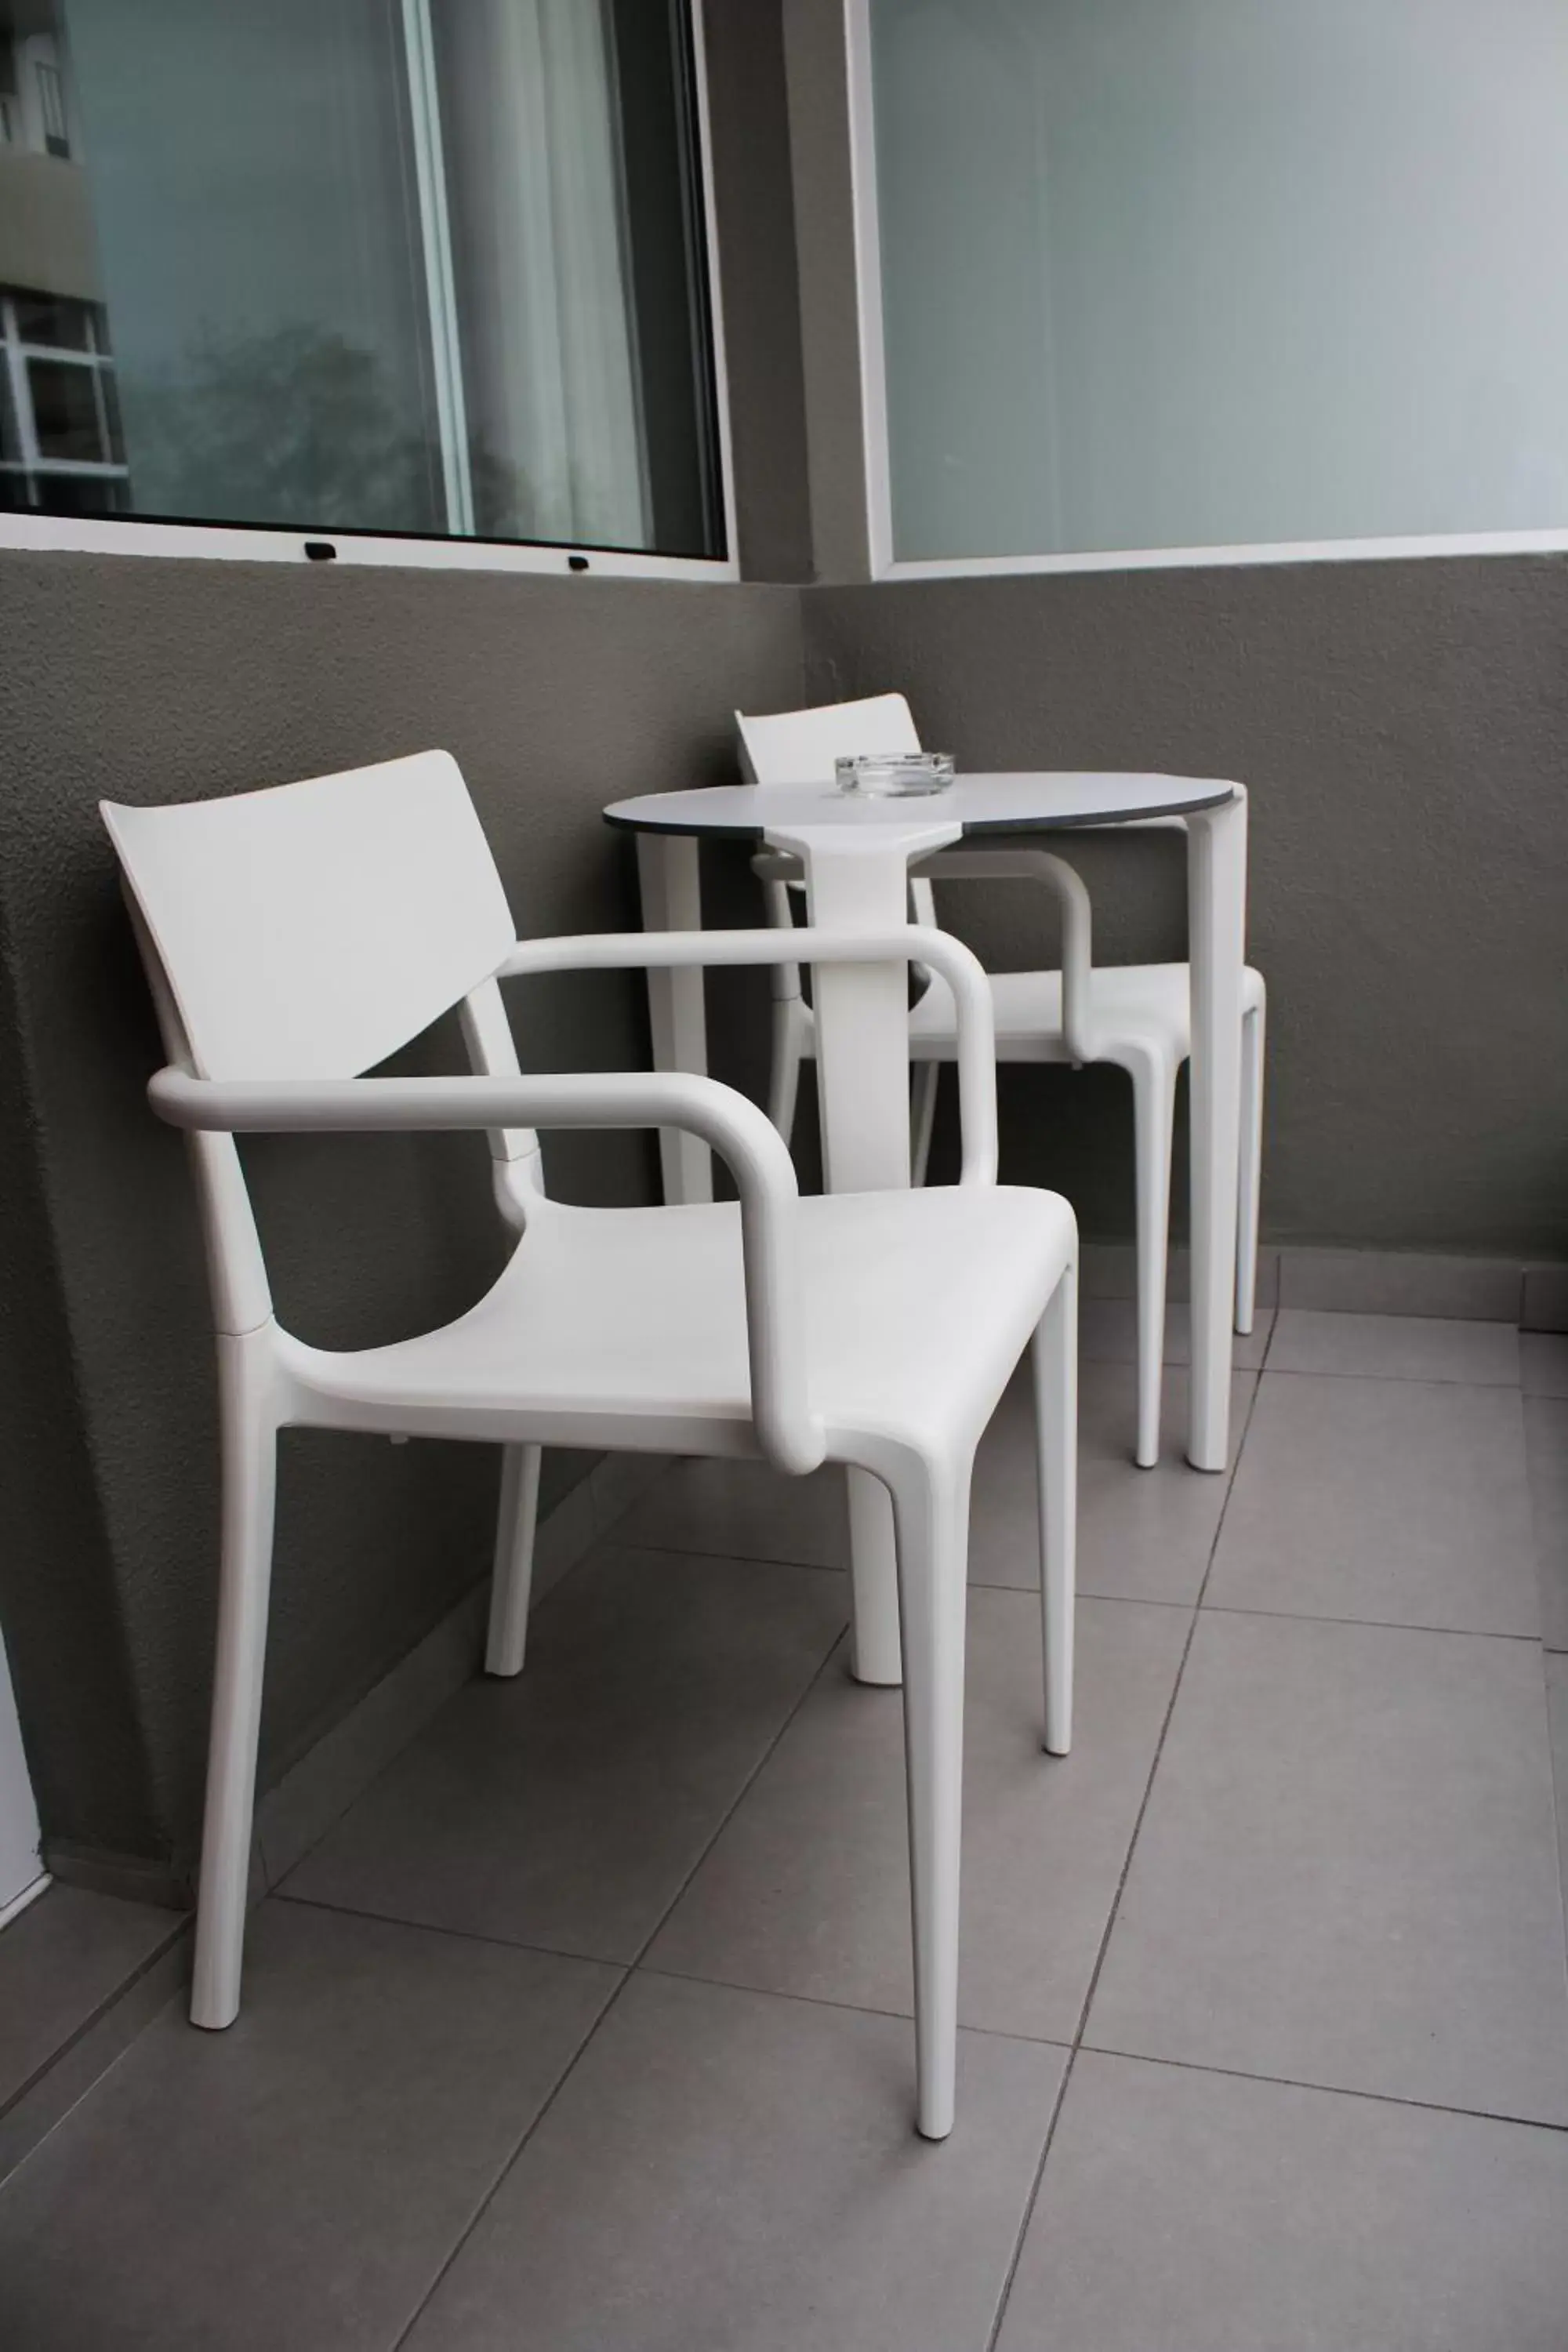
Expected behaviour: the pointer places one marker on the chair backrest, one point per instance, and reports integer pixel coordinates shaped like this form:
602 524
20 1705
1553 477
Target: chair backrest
308 931
799 746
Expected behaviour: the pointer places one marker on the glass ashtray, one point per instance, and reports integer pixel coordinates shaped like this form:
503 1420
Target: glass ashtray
895 775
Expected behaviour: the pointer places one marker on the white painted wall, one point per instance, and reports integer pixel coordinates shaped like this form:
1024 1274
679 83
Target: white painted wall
1208 272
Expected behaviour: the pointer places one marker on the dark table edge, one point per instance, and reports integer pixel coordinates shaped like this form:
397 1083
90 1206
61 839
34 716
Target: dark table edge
990 824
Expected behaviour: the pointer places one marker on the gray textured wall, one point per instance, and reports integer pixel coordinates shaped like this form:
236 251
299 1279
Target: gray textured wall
153 681
1403 729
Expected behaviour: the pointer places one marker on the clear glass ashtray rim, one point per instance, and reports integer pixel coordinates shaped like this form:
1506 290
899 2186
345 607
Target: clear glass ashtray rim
908 774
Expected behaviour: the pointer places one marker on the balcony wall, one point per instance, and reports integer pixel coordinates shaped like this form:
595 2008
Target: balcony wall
157 680
47 240
1401 726
1403 729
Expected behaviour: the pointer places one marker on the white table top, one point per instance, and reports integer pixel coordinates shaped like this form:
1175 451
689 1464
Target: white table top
1024 802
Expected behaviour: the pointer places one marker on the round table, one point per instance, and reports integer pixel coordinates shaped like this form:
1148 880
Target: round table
856 852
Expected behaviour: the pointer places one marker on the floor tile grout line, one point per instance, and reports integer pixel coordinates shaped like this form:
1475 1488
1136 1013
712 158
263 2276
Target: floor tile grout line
439 1927
1232 1470
1559 1769
1392 1379
1110 2050
179 1926
1107 1600
644 1966
905 2017
851 2007
740 1559
1289 1616
1373 1625
1029 2202
605 1542
488 2200
1232 1474
742 1792
1323 2090
592 2035
482 1580
90 2090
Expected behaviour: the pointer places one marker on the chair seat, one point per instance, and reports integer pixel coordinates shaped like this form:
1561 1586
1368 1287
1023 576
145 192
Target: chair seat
626 1327
1131 1006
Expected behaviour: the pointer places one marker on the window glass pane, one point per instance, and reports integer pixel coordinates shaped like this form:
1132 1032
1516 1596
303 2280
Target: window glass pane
79 494
1171 273
13 499
41 319
65 410
574 242
376 264
10 445
259 243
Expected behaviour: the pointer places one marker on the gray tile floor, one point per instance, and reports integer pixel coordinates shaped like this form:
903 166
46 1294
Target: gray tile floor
587 2025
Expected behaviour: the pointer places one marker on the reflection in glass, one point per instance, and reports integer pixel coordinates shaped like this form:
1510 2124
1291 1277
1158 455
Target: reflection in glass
65 413
59 325
406 265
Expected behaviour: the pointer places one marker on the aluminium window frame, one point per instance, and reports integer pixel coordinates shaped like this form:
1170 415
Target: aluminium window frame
873 383
264 544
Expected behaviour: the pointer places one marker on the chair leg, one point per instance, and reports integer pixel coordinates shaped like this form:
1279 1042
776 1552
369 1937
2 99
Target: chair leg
784 1077
249 1487
1250 1174
1153 1116
1055 1423
932 1509
926 1079
513 1573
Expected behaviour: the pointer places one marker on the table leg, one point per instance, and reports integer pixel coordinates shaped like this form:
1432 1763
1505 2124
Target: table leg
670 877
863 1083
1216 915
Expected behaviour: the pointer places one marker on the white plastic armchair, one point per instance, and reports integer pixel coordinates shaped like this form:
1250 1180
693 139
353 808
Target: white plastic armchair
1137 1016
294 938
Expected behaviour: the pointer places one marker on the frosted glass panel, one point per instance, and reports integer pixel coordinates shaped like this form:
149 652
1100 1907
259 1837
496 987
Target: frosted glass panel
1186 273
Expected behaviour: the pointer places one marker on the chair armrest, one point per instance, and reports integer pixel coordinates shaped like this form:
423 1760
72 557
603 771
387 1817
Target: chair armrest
1078 921
911 943
791 1433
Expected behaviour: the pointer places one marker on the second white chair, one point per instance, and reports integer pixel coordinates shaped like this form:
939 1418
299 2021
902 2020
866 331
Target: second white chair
1136 1016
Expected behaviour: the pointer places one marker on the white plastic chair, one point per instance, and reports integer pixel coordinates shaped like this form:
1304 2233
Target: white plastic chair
1137 1016
295 938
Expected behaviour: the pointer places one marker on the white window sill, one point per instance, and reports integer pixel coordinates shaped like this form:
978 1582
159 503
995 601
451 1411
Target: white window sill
86 535
1162 559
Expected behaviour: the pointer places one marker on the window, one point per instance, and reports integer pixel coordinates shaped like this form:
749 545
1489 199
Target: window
425 267
60 434
1217 274
52 107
